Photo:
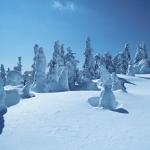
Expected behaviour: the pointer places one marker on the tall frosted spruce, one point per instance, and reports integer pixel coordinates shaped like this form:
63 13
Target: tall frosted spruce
57 77
88 67
71 64
39 69
19 65
141 53
122 60
99 60
108 62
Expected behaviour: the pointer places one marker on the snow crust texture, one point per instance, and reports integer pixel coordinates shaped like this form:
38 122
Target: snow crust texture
66 121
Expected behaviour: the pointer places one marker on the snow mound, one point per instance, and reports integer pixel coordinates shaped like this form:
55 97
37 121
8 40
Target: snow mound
94 101
12 97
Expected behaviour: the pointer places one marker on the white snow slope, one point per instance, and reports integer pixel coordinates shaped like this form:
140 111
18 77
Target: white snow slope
66 121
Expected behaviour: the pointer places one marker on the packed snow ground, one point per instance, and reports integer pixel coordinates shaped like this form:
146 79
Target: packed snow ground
66 121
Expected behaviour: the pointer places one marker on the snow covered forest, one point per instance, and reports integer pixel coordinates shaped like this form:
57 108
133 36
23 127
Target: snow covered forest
61 72
103 81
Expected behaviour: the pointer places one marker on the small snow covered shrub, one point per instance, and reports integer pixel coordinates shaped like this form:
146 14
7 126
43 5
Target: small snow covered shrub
107 98
26 91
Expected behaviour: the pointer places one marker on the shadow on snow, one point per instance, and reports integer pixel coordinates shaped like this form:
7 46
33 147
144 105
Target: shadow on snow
94 102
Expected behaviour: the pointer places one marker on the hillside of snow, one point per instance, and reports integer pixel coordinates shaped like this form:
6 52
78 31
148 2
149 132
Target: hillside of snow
66 121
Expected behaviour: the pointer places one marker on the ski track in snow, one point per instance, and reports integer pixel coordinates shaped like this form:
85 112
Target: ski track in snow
66 121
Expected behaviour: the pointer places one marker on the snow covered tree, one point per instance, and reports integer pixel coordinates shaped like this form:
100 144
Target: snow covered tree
39 66
125 59
3 74
52 76
58 54
19 66
108 62
3 108
131 70
26 91
36 53
71 64
62 54
119 83
99 60
63 79
27 77
141 53
8 70
88 67
107 98
105 75
116 83
57 77
117 63
143 66
121 60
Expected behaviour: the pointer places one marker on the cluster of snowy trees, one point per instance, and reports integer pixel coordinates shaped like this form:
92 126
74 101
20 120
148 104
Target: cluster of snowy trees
62 73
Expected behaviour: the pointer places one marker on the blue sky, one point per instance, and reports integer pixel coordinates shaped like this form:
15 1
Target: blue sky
109 23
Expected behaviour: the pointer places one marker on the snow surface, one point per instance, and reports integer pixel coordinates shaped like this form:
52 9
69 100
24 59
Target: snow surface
66 121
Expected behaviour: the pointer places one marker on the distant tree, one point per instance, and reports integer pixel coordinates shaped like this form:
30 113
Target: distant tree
141 53
8 70
3 107
117 62
62 54
121 60
71 64
19 66
99 60
108 62
3 74
36 53
88 67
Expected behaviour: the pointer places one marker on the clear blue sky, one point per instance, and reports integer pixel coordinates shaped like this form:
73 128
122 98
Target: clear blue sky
109 23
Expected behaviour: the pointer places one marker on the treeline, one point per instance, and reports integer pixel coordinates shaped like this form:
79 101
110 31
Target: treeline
63 72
